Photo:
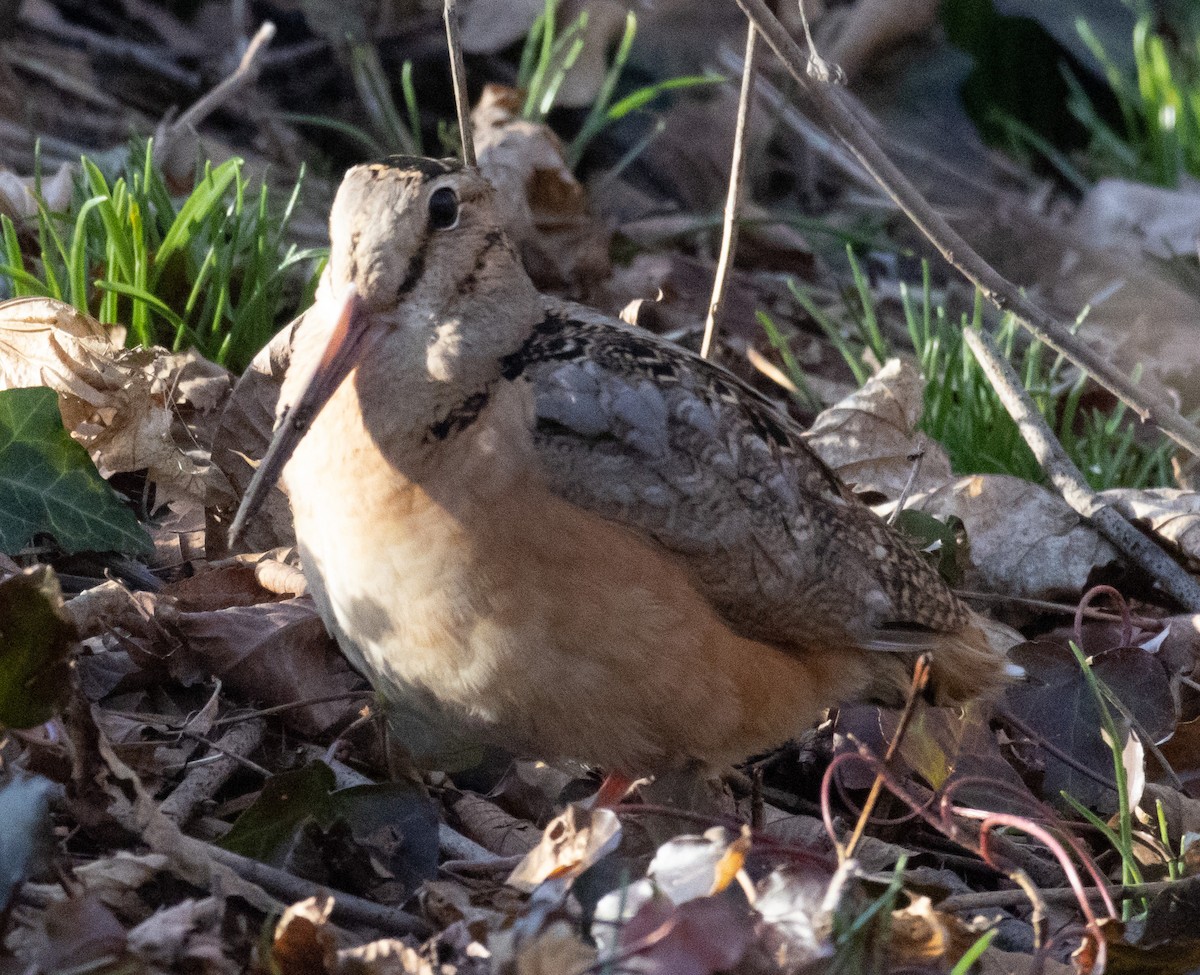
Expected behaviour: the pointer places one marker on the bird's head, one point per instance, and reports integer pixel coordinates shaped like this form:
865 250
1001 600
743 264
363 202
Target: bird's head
423 295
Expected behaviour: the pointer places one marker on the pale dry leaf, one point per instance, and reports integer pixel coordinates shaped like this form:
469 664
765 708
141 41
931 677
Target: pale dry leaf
183 937
80 931
178 536
278 576
688 867
1172 514
112 881
32 333
1122 215
242 436
795 922
870 437
385 957
241 580
16 192
491 827
921 935
540 203
1025 540
570 844
158 417
97 610
446 904
126 406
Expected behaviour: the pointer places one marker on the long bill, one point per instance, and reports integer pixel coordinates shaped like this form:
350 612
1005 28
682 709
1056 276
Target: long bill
341 352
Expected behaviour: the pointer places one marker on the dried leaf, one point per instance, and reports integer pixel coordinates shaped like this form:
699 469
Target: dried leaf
134 409
1025 540
699 937
304 941
243 433
558 950
16 192
187 936
1057 702
1122 215
80 931
870 437
570 844
1172 514
921 935
538 200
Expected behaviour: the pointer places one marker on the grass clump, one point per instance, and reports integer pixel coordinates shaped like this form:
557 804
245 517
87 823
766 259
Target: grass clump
549 54
1158 138
212 271
962 411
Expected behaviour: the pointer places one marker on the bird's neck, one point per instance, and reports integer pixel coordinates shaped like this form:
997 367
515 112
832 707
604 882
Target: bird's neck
457 364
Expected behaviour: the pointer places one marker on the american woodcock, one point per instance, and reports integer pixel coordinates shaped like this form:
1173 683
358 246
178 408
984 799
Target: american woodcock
566 536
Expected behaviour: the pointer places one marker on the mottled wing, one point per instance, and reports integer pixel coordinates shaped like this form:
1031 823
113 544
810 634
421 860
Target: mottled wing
644 433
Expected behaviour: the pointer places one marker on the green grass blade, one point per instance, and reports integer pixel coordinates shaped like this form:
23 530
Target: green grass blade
141 296
204 199
119 248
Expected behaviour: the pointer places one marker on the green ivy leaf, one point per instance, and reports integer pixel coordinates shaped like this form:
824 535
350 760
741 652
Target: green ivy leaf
36 641
268 828
396 821
944 543
49 484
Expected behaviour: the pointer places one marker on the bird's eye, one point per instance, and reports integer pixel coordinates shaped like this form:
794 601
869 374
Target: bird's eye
443 209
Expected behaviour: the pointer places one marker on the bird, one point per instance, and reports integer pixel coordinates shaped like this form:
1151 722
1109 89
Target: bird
559 534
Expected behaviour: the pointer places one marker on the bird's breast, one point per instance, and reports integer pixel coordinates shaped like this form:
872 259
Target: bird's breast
484 607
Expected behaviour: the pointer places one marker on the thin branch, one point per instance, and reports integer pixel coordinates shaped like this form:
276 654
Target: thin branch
246 73
458 72
1041 741
1055 895
920 680
914 472
347 909
1076 491
1149 623
733 200
839 112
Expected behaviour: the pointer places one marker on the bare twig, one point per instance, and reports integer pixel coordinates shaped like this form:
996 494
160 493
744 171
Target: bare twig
841 114
347 909
914 472
920 679
246 73
1144 622
459 73
1047 745
1054 895
1075 490
203 781
733 199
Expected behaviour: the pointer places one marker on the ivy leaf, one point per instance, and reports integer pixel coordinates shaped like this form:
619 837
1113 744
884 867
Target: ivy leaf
49 484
